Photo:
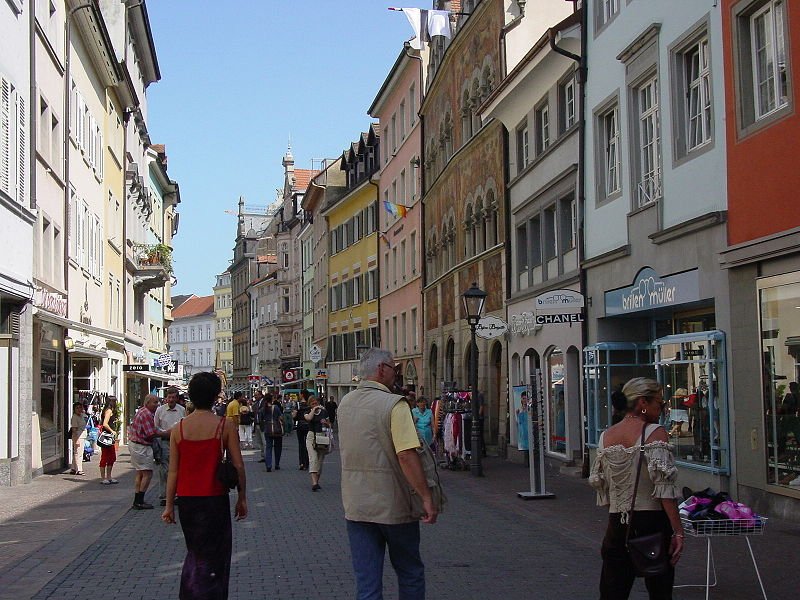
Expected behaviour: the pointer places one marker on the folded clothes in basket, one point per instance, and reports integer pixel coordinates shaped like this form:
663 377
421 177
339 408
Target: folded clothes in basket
714 512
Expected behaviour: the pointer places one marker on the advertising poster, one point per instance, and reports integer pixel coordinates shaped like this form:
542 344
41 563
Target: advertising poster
521 405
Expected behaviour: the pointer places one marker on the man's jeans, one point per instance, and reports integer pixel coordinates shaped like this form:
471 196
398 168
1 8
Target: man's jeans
368 542
163 468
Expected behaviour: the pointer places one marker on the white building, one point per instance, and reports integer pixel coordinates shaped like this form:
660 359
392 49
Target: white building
17 215
192 335
655 212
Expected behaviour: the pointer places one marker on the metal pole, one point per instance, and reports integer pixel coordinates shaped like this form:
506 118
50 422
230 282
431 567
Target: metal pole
475 451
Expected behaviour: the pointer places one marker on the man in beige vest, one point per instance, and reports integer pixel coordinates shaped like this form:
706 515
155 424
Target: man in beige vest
380 467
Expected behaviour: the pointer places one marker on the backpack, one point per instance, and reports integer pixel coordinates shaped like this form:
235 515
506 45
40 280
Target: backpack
246 418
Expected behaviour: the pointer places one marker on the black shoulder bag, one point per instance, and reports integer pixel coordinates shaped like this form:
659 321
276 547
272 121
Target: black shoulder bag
649 553
227 474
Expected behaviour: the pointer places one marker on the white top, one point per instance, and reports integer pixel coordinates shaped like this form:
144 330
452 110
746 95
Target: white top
166 418
77 425
614 469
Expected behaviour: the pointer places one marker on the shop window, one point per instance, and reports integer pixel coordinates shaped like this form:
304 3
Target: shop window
691 369
779 300
607 366
556 406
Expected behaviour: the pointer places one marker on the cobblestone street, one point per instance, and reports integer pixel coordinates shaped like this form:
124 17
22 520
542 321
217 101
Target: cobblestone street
65 538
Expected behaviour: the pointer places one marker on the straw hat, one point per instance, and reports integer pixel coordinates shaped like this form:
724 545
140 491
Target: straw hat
680 393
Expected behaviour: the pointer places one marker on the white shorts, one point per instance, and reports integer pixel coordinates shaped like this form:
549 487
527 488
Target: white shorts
141 457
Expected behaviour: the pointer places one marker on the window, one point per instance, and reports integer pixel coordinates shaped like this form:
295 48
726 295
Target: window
568 223
192 330
402 120
403 259
550 235
606 10
522 145
780 351
763 75
393 132
698 95
413 252
13 142
522 255
609 158
542 128
566 98
404 331
649 143
394 333
412 104
414 334
535 236
386 271
403 199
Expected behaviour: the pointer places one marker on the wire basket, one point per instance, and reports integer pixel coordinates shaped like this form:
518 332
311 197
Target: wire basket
724 527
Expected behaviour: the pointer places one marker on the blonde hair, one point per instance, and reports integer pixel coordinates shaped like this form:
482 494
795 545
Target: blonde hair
638 387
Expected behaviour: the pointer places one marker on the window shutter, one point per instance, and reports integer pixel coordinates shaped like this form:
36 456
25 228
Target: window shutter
21 154
5 135
100 248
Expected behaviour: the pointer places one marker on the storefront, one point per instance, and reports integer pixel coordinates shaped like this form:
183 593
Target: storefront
543 350
666 327
765 373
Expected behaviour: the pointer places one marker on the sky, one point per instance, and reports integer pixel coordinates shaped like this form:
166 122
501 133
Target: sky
239 80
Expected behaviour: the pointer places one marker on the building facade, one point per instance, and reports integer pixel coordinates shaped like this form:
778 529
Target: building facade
352 285
761 43
538 104
17 206
192 335
400 216
464 206
655 212
223 325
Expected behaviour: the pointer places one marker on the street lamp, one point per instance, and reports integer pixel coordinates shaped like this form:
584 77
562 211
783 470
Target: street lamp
474 299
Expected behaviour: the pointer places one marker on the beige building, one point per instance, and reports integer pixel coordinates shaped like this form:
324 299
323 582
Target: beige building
223 313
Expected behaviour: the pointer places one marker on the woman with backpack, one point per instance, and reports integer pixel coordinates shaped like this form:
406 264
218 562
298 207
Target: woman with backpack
246 424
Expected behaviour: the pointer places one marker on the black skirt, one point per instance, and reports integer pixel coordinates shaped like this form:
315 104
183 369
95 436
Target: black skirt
206 524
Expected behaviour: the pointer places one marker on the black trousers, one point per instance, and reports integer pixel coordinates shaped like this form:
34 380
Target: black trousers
618 574
302 450
206 525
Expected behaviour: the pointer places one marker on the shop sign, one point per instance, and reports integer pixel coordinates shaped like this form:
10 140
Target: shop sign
650 291
559 318
253 378
321 374
490 327
522 324
164 360
559 301
50 301
289 376
315 354
267 380
135 368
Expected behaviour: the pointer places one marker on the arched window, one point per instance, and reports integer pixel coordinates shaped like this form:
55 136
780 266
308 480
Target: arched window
445 253
469 241
449 360
466 117
480 226
515 374
451 246
431 256
475 102
492 237
433 368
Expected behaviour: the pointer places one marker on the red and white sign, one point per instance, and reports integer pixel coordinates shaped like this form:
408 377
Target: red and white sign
289 376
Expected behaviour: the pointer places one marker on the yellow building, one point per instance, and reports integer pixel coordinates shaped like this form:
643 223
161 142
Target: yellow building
223 313
353 264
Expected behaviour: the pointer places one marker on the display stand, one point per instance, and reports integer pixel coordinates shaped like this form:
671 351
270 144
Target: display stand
724 528
536 441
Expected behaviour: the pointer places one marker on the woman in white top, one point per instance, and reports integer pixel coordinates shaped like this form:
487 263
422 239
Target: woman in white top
656 509
77 430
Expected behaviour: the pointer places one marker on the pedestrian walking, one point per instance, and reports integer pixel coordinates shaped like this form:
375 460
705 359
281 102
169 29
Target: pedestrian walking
246 424
273 432
641 497
232 410
77 431
302 428
258 423
331 407
204 506
317 418
141 435
166 417
108 454
423 419
220 406
380 465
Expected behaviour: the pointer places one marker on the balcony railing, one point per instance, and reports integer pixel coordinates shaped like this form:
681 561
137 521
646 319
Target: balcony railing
151 265
650 188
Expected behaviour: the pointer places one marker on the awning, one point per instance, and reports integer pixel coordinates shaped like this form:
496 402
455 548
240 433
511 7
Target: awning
80 350
150 375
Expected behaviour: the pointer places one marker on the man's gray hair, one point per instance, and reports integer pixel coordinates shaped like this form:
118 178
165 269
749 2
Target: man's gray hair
371 361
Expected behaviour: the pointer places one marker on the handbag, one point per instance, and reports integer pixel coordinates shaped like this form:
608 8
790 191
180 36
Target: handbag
649 553
321 441
273 426
227 474
106 439
431 472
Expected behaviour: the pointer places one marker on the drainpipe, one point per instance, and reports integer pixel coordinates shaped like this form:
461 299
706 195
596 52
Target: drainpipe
582 76
378 255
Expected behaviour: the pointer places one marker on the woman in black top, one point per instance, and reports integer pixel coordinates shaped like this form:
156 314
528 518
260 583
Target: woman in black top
301 427
317 418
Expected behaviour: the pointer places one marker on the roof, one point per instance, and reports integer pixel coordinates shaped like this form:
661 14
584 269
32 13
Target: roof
302 177
180 299
195 306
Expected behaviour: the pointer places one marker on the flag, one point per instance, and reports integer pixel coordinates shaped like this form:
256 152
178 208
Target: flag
426 24
396 210
382 234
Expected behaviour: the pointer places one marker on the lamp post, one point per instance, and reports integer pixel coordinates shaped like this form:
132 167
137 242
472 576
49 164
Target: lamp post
474 299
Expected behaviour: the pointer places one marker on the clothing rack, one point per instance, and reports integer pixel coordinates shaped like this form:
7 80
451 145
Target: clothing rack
454 429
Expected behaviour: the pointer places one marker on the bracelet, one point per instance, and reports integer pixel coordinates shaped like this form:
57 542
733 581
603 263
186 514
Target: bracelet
678 535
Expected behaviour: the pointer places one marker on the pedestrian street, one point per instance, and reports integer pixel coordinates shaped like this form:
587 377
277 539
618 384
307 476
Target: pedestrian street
488 544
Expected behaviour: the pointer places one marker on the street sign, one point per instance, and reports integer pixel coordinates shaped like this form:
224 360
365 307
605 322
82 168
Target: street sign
560 301
315 354
559 318
134 368
490 327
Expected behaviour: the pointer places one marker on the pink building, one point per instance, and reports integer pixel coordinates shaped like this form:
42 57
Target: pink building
400 220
